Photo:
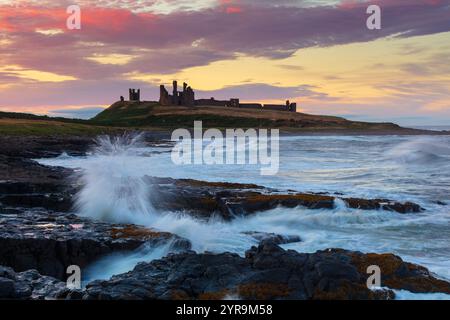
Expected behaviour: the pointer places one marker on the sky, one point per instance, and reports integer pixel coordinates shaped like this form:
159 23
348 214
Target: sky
318 53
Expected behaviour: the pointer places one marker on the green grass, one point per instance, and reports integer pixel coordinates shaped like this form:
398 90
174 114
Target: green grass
48 128
187 121
122 116
139 115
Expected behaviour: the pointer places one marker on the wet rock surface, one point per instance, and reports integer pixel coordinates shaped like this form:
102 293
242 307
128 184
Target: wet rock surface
266 272
26 183
50 242
265 237
29 147
228 200
29 285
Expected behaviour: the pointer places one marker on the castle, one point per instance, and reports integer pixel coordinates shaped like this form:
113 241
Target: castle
187 98
177 98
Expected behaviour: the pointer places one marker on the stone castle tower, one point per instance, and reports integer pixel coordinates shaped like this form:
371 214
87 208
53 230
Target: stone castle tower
177 98
135 95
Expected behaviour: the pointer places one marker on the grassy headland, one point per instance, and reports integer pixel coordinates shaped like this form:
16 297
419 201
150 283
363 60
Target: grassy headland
149 116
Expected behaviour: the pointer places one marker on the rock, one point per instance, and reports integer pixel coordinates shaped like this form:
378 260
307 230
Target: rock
266 272
50 242
28 285
6 288
29 184
384 204
397 274
273 237
228 200
30 147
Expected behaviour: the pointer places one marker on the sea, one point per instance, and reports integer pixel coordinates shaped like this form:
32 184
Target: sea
400 168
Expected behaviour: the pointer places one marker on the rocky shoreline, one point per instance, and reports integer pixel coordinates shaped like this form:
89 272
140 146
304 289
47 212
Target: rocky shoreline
40 237
266 272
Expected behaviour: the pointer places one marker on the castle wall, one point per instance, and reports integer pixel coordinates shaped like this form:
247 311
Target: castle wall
250 105
175 100
276 107
212 102
135 95
188 97
234 103
164 97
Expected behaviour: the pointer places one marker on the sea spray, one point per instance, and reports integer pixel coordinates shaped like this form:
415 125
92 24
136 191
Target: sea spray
420 151
112 189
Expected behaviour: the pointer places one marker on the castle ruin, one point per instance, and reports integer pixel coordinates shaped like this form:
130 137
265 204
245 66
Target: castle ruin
186 98
177 98
135 95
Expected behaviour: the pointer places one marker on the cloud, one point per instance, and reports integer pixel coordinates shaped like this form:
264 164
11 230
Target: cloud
73 93
259 91
163 43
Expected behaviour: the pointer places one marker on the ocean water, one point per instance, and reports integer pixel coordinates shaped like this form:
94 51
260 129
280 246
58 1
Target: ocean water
402 168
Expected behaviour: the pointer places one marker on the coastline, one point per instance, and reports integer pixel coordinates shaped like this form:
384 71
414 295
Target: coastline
40 193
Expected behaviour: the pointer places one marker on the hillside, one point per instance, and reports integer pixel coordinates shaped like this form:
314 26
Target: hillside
151 114
12 123
125 116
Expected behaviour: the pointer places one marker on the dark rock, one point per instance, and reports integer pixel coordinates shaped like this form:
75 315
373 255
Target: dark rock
227 200
266 272
6 287
43 147
50 242
25 183
28 285
397 274
264 237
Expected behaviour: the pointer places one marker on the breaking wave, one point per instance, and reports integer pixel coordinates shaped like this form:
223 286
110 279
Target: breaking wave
112 190
423 150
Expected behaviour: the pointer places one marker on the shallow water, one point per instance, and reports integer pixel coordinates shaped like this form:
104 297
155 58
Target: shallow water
395 167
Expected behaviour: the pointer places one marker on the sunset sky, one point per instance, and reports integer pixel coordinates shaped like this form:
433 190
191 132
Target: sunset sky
316 52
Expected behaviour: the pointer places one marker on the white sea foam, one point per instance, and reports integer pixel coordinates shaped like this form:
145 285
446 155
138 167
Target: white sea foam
421 151
407 295
113 190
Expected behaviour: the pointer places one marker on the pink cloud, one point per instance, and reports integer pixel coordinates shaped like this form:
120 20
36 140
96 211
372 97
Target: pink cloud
231 10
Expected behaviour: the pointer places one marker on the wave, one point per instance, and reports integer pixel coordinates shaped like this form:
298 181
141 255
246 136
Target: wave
423 150
113 190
